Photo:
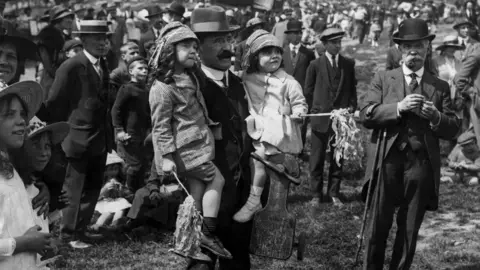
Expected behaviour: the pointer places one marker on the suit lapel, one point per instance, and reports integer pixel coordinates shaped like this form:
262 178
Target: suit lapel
341 68
398 82
300 57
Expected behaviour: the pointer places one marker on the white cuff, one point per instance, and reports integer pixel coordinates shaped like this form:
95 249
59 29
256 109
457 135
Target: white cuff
7 247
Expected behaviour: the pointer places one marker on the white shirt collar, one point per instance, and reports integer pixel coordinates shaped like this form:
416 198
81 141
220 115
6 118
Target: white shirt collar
215 74
90 57
330 57
407 71
294 47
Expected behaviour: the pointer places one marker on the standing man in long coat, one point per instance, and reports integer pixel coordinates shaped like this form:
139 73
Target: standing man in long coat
330 84
79 95
414 108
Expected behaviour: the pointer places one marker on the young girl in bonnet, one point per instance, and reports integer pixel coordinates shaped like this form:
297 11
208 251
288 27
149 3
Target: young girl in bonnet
274 99
182 139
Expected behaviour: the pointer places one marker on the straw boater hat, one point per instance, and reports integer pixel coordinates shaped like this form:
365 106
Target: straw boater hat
450 41
30 92
93 27
413 30
258 40
57 130
211 20
332 34
25 47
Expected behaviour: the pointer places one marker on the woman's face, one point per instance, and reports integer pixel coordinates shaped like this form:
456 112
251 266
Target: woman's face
449 51
13 119
269 59
41 151
187 53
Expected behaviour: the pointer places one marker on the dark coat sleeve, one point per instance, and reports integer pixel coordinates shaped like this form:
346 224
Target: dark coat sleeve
63 92
449 122
118 108
469 69
310 83
352 103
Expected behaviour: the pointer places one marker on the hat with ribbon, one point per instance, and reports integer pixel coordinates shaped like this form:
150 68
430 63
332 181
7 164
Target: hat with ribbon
294 26
332 34
450 41
113 158
58 12
30 92
93 27
463 22
57 130
255 42
176 8
171 34
25 47
413 30
211 20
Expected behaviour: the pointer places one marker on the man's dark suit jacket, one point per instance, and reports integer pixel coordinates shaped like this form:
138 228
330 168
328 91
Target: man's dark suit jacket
319 91
146 37
394 56
387 89
299 71
80 97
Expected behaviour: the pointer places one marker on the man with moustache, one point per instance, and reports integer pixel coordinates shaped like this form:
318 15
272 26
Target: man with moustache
79 95
225 99
414 108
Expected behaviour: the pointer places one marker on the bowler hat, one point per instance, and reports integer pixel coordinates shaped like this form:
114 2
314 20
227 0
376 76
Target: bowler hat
93 27
332 34
294 26
154 11
462 23
413 30
211 20
450 41
176 8
58 12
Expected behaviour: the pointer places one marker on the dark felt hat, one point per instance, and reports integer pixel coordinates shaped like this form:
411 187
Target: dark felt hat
294 26
154 11
462 23
413 30
466 138
332 34
59 12
176 8
25 47
210 20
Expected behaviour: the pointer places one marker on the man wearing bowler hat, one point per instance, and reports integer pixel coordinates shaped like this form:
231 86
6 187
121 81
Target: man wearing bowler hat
296 59
174 13
79 95
156 24
225 99
414 108
330 84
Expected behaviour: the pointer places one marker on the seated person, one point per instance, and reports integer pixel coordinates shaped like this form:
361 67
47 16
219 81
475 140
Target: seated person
464 161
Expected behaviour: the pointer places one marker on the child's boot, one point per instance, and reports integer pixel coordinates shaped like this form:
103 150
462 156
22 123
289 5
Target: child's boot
252 206
210 241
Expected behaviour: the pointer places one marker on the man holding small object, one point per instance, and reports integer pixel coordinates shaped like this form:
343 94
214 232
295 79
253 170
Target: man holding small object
413 107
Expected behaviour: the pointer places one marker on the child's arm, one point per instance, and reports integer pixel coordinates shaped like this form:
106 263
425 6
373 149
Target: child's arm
161 105
296 98
475 167
453 157
118 111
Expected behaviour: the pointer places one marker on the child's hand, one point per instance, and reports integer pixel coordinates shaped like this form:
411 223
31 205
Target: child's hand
296 117
37 241
168 165
155 197
122 136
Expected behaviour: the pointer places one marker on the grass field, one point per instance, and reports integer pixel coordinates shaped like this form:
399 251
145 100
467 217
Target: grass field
449 239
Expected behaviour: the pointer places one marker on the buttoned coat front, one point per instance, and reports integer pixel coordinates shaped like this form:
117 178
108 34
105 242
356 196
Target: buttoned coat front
379 111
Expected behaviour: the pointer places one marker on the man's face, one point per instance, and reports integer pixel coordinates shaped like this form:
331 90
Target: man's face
464 31
333 46
216 51
131 52
96 44
414 53
294 37
156 21
8 61
66 23
73 51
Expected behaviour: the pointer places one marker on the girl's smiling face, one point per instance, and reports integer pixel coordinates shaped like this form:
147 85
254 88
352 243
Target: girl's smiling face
269 59
41 151
13 119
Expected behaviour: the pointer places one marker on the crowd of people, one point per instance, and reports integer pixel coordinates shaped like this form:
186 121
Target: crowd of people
125 101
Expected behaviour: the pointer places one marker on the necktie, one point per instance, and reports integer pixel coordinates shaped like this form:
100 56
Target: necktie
294 52
334 63
98 67
412 87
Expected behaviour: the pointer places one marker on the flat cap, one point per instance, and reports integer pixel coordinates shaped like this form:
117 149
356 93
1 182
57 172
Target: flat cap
72 44
466 138
332 34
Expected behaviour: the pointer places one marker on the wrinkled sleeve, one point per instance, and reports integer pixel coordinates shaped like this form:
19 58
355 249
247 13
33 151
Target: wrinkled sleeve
7 244
295 96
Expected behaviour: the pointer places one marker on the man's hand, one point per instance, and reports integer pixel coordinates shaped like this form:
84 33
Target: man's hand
123 137
42 199
296 117
410 102
430 112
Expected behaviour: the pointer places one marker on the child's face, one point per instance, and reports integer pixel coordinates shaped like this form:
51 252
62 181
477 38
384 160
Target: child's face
470 148
138 71
113 170
41 151
187 53
73 51
131 52
12 124
269 59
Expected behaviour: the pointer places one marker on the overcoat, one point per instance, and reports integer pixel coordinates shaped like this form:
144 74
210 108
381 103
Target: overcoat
299 70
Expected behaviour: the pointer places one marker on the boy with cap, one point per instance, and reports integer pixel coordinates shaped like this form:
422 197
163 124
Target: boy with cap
464 160
121 75
72 47
131 120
